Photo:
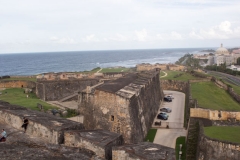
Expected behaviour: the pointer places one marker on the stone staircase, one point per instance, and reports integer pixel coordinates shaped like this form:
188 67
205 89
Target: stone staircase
68 97
192 139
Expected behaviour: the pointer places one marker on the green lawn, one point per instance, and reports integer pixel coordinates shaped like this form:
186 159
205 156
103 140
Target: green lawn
17 97
225 133
184 77
212 97
235 87
180 140
121 69
151 135
22 79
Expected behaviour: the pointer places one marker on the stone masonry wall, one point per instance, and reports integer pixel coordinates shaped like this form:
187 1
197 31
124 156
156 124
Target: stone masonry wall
132 117
214 114
40 124
211 149
17 84
56 90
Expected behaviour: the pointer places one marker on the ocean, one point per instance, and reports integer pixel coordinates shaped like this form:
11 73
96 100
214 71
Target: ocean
36 63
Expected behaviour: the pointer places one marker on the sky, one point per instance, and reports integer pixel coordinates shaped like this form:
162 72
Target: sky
79 25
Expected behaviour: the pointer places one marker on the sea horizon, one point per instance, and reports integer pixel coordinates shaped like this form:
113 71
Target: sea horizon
34 63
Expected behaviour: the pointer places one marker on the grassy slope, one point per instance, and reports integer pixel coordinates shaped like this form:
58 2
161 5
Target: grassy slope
180 140
17 97
184 77
121 69
22 79
228 133
212 97
151 135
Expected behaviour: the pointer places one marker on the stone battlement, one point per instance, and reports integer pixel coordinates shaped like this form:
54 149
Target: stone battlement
40 124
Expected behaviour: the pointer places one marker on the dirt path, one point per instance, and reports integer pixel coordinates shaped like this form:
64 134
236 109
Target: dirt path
165 74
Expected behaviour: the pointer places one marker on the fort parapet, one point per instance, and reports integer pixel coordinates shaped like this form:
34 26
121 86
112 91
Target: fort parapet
126 105
147 67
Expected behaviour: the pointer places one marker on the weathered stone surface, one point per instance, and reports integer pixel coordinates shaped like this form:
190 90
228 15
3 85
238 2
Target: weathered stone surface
56 90
40 124
143 151
214 114
22 146
98 141
127 105
212 149
17 84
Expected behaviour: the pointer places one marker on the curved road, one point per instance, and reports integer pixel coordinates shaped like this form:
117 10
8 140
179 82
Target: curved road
167 137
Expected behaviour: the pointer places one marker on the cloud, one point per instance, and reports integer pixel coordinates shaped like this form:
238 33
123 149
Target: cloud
141 35
90 38
118 37
175 36
222 31
64 40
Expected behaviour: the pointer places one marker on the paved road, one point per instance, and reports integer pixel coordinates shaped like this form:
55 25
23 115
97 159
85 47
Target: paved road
167 137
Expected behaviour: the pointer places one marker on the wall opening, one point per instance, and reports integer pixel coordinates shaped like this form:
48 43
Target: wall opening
22 86
112 118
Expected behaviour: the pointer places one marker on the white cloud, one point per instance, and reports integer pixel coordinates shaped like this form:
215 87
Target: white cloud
175 36
141 35
90 38
221 31
118 37
64 40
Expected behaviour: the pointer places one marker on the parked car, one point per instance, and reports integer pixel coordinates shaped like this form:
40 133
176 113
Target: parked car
167 99
161 116
170 96
164 113
166 109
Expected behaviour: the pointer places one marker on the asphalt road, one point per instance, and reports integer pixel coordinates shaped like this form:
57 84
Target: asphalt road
167 137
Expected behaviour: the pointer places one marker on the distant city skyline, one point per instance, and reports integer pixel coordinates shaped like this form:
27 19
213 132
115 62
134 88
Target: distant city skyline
77 25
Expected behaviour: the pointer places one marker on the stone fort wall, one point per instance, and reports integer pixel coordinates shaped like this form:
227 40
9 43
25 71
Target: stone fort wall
17 84
129 111
56 90
209 148
214 114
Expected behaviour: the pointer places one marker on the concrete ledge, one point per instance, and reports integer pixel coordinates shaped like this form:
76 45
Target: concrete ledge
98 141
40 124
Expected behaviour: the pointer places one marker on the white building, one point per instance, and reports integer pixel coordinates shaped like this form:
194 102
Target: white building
221 56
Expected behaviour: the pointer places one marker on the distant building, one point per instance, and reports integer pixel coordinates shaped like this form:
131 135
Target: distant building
222 56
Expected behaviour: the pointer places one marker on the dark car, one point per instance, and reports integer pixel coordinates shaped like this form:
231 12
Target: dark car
164 113
165 109
161 116
167 99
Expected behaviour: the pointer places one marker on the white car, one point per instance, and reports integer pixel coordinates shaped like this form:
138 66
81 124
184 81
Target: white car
170 96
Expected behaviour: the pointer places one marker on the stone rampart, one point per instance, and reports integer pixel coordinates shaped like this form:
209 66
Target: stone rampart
56 90
214 114
174 85
40 124
17 84
209 148
127 105
98 141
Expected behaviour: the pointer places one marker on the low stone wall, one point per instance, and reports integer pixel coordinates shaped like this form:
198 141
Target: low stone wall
17 84
56 90
40 124
227 88
214 114
98 141
213 149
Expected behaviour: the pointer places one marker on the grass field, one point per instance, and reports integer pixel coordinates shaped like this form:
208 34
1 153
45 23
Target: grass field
17 97
184 77
225 133
180 140
212 97
22 79
121 69
151 135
